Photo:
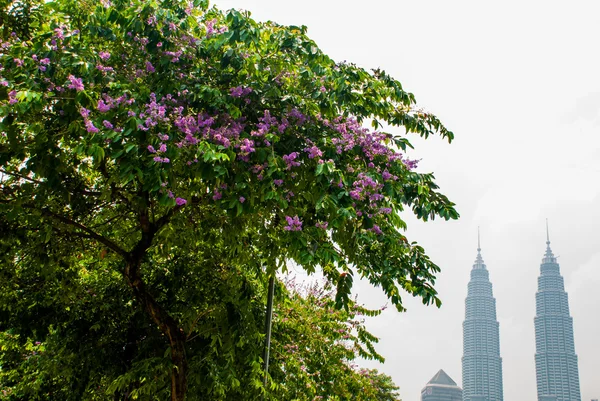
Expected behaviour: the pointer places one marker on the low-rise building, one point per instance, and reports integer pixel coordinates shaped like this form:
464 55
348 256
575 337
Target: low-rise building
441 388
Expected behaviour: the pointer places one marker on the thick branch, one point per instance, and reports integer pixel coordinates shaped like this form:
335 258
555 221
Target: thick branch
166 323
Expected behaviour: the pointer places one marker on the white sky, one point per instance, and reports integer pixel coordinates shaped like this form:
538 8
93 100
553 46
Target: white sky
519 84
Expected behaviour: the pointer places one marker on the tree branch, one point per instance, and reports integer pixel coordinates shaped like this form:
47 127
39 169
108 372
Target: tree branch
20 176
92 234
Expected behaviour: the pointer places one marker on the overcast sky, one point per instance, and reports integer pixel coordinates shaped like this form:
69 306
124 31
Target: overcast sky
519 84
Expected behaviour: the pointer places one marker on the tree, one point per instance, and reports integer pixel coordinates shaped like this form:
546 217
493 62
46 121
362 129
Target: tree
316 345
139 135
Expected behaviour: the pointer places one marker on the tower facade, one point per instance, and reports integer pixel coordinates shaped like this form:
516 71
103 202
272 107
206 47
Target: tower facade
481 362
441 388
556 368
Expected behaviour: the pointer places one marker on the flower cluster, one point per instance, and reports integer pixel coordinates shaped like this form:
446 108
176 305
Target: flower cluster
211 30
289 160
240 91
75 83
12 97
293 224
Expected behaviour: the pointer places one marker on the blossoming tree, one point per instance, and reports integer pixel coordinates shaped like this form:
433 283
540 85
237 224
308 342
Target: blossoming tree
132 133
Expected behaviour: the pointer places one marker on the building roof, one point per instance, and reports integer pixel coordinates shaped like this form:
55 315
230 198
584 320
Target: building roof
442 377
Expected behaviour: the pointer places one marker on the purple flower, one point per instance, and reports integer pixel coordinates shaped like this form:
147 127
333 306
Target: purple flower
18 62
322 224
76 83
247 147
162 148
240 91
293 224
278 182
376 229
131 113
89 125
12 99
217 196
242 199
45 61
411 164
295 113
289 160
84 112
104 69
4 83
313 152
103 107
180 201
149 67
210 27
107 124
151 149
104 55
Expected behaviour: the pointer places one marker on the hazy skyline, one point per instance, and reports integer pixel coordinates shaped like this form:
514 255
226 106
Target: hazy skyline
518 83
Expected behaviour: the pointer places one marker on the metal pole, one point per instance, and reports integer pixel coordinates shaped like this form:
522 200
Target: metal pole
268 320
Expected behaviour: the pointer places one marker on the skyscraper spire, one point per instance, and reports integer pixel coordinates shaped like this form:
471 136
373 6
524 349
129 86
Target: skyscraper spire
549 256
479 264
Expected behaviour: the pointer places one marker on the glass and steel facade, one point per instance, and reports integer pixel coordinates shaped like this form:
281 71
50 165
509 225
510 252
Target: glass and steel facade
555 359
481 362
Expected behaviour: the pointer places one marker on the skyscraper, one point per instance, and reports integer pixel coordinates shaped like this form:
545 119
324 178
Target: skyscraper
555 359
441 388
481 362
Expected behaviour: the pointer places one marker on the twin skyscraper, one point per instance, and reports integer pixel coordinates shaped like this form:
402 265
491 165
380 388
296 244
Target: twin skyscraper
555 359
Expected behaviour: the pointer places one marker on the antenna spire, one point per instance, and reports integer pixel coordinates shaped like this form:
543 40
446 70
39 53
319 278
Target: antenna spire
479 260
547 233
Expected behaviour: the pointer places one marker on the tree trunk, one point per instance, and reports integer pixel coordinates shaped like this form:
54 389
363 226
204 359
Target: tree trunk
167 325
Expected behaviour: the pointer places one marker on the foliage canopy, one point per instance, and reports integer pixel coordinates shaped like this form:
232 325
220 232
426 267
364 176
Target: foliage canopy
169 155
